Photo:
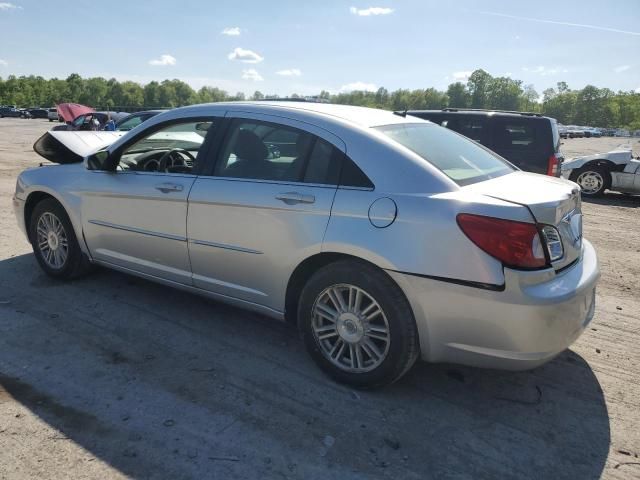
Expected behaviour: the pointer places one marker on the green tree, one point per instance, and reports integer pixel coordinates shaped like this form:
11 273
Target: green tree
459 96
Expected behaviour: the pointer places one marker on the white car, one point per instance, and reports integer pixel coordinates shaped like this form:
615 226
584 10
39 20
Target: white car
52 114
616 170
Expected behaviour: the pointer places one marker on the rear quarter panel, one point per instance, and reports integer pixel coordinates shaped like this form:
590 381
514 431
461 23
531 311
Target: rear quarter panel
424 239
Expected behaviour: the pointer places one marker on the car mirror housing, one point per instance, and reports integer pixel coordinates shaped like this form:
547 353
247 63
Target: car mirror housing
98 161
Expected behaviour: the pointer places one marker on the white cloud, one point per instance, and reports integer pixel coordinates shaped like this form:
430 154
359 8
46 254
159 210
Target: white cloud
358 86
637 90
3 63
9 6
545 71
461 76
622 68
246 56
231 31
366 12
290 72
252 74
163 61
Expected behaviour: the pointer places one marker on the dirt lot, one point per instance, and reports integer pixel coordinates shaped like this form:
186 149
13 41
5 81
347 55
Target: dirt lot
111 377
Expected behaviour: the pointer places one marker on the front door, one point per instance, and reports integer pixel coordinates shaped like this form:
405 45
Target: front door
264 208
135 217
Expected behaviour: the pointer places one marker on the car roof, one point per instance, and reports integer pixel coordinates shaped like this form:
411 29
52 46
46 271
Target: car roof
360 116
487 113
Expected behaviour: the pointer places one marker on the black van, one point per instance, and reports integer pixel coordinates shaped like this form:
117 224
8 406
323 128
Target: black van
528 140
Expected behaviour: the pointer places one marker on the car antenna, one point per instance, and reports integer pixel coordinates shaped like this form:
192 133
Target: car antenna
402 114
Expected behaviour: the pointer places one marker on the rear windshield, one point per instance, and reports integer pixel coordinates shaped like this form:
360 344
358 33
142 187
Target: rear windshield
463 161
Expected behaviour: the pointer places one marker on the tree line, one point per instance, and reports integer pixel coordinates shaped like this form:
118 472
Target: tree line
600 107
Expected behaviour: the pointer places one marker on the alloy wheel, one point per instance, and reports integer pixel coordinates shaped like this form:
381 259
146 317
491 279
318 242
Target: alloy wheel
351 328
52 240
590 181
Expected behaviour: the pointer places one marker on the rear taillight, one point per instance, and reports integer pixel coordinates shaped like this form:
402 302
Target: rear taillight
515 244
552 166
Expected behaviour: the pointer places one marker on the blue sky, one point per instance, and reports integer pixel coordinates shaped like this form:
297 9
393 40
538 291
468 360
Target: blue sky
287 46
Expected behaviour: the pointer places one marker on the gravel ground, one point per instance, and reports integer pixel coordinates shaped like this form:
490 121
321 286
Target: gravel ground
115 377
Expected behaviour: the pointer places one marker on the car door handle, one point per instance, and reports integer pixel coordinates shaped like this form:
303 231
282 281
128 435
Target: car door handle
293 198
169 187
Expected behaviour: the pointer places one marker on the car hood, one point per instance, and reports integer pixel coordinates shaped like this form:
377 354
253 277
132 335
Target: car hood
71 147
551 201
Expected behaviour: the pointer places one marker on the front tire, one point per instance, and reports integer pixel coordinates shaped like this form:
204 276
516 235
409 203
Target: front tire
593 180
54 241
357 324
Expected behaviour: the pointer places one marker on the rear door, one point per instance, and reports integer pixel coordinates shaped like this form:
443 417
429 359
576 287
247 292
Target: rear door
263 208
521 140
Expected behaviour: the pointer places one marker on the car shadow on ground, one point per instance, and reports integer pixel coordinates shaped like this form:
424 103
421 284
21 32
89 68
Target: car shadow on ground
164 384
615 199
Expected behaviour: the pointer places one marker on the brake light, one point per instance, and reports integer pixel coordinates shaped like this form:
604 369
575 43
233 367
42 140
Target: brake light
552 166
515 244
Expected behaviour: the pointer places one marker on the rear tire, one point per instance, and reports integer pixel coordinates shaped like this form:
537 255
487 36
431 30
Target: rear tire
54 242
357 324
593 180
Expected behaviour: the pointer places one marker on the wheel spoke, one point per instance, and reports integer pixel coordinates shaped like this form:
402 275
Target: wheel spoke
359 361
337 349
355 299
371 349
374 314
325 311
336 298
352 355
378 336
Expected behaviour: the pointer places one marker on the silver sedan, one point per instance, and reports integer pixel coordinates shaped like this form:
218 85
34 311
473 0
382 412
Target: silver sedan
383 238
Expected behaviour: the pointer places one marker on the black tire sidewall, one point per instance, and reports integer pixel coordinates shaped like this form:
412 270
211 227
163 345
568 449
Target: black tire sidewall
403 349
75 256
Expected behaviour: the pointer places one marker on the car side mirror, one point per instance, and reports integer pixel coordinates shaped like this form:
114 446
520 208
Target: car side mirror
98 161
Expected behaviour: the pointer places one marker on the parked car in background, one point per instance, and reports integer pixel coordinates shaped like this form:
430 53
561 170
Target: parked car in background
38 113
9 112
574 132
52 114
94 120
131 121
384 238
528 140
591 132
617 170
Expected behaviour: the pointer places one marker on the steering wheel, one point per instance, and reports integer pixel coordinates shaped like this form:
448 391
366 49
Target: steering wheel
163 163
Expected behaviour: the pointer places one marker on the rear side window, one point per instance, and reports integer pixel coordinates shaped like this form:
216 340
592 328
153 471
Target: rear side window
460 159
352 176
471 127
257 150
514 135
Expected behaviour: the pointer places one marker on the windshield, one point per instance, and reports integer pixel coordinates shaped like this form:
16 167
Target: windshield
463 161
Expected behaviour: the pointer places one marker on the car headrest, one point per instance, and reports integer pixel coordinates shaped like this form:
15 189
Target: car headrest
248 146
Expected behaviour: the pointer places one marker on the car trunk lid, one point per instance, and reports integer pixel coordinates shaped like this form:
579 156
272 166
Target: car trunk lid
551 201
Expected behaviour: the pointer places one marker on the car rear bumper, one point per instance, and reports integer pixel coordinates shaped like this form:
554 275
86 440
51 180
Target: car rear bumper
535 317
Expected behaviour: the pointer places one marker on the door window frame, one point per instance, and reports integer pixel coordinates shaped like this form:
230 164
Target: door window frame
234 117
203 158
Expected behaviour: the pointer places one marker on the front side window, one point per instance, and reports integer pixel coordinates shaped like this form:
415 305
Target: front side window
268 151
172 149
460 159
